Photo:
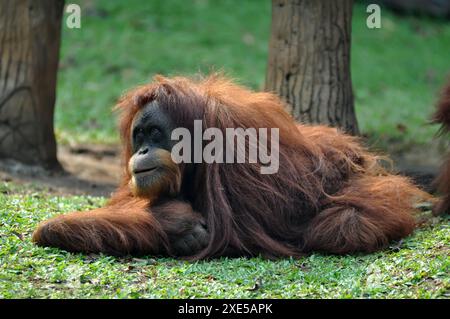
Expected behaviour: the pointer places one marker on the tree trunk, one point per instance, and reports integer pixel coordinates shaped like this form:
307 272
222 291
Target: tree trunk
29 52
309 60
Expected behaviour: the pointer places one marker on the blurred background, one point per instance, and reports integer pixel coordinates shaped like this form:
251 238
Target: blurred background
397 70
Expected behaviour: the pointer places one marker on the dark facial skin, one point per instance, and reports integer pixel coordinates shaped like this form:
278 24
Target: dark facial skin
151 129
151 143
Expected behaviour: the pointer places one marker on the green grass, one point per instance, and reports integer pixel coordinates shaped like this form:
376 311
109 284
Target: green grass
396 70
418 268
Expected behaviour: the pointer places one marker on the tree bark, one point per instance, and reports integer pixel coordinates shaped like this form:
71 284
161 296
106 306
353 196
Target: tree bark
29 51
309 60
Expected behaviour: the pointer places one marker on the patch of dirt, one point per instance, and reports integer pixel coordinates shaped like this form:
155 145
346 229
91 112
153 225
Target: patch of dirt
96 170
90 170
420 162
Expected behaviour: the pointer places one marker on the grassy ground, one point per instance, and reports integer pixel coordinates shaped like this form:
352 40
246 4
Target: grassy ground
418 267
396 72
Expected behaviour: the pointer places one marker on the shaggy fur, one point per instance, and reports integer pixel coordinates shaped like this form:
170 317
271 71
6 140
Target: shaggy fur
330 194
442 116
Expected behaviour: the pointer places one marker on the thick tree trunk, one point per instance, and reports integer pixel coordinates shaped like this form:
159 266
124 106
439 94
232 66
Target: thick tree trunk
29 52
309 60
